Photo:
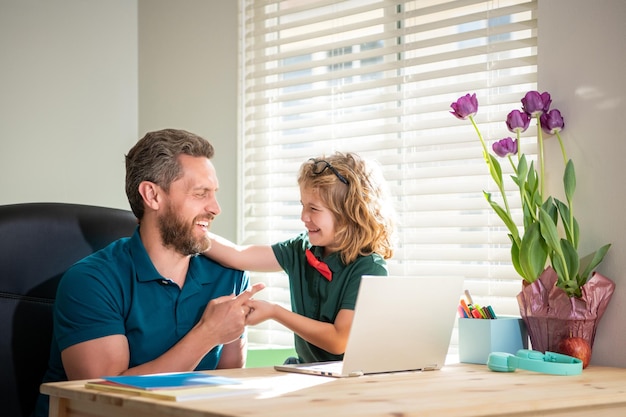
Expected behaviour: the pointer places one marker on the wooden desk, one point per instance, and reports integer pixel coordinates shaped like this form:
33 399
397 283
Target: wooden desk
456 390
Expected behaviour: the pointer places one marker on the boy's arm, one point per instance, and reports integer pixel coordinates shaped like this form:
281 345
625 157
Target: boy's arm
332 337
246 258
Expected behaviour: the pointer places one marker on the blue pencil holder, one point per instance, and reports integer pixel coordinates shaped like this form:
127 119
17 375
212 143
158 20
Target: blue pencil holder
479 337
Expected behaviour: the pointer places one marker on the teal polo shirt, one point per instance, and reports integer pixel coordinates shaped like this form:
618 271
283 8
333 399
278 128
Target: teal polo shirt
117 290
315 297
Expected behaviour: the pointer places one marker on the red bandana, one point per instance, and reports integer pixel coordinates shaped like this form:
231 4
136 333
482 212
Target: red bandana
319 265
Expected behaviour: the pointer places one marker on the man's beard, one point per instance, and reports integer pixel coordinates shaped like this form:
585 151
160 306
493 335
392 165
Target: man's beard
179 235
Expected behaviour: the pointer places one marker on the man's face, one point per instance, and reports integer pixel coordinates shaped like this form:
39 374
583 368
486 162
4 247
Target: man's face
190 208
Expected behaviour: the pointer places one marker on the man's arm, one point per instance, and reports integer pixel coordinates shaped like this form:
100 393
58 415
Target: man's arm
234 354
222 322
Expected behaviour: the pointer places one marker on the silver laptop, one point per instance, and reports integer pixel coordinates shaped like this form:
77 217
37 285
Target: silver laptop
400 324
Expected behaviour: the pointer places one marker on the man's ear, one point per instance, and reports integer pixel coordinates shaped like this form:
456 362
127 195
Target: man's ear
150 192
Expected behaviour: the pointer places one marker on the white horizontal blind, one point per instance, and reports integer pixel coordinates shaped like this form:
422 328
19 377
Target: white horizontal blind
377 77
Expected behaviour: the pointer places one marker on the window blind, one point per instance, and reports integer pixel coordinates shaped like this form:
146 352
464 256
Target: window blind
377 77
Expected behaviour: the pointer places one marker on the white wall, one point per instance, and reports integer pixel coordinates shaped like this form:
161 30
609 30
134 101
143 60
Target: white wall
188 80
82 80
68 99
581 63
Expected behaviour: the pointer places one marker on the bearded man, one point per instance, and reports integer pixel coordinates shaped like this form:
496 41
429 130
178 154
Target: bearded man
147 304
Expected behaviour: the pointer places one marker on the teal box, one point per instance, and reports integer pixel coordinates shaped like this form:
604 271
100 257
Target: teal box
479 337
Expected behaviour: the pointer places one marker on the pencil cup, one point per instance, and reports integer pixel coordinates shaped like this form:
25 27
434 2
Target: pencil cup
479 337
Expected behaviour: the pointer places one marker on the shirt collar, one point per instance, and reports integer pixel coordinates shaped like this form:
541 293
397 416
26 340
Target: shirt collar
333 260
145 270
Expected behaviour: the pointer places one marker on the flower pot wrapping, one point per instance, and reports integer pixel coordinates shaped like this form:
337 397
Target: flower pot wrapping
551 315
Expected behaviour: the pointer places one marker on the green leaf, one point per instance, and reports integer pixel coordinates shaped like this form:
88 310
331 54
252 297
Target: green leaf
532 180
495 170
597 258
529 216
549 232
528 186
569 181
532 187
508 221
533 253
515 259
522 167
570 225
550 207
572 262
522 172
558 263
575 233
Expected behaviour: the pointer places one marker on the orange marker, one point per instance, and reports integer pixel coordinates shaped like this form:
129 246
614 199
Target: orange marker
466 308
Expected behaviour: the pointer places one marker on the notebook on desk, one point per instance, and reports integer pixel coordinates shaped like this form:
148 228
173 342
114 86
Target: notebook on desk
400 324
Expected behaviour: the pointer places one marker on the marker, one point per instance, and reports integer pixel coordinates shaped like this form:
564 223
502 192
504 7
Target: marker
480 311
465 308
468 297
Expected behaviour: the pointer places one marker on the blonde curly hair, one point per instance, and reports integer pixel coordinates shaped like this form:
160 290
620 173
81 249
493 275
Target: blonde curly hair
357 194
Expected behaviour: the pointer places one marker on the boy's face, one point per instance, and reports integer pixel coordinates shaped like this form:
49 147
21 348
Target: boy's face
318 220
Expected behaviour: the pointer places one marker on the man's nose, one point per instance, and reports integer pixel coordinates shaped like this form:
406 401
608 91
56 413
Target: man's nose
214 207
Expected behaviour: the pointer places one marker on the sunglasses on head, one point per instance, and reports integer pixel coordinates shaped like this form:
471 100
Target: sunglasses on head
319 166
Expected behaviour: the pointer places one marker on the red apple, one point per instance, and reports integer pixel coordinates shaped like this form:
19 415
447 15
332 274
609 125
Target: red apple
576 347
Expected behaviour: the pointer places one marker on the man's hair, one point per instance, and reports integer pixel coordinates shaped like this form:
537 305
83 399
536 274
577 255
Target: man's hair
364 215
154 158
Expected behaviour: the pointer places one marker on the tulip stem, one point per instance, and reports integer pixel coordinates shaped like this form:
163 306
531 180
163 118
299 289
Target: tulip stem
541 163
562 147
570 203
512 164
492 170
480 136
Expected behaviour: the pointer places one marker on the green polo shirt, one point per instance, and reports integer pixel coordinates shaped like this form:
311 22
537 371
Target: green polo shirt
314 296
117 290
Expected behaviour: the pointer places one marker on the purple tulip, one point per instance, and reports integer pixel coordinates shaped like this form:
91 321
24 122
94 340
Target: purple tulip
552 122
465 106
517 121
505 147
534 103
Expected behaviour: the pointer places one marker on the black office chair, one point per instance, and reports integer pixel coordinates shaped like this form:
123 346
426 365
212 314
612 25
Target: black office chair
38 242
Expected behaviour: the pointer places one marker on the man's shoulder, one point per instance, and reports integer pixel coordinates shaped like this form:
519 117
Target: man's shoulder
114 256
209 268
213 265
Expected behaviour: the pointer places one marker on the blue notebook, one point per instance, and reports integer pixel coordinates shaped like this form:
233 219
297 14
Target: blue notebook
171 380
